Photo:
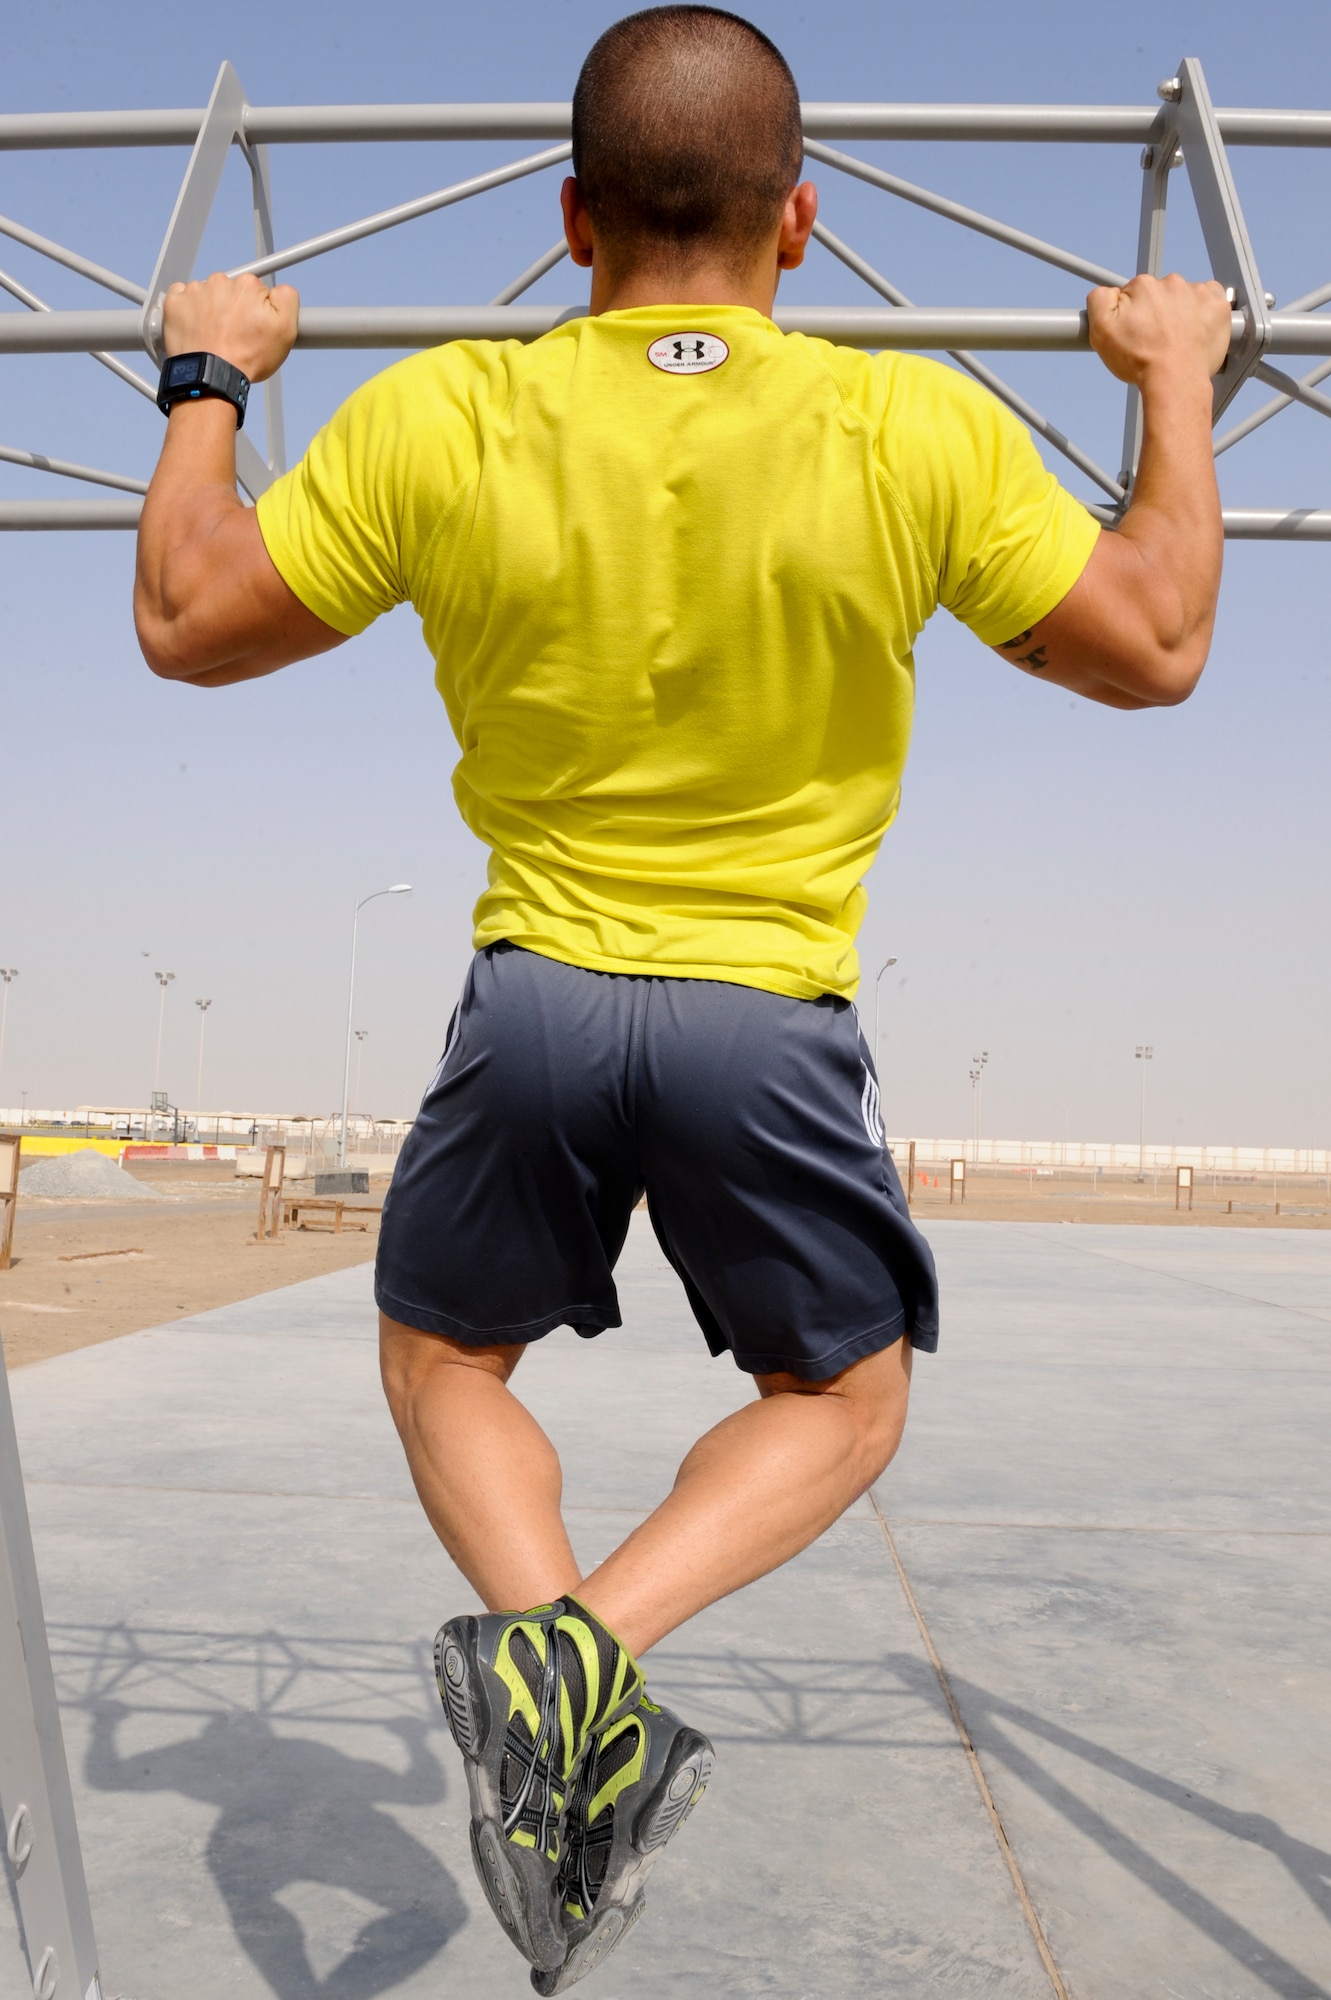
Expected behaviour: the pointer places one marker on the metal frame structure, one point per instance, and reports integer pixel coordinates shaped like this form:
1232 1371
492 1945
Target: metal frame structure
1185 130
36 1804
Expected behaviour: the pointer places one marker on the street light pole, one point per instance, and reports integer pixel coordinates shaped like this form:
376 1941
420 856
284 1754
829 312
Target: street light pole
977 1086
8 973
1144 1055
397 889
886 966
163 980
203 1006
361 1035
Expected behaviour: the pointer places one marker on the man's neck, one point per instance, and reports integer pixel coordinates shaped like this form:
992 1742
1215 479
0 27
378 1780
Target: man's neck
696 285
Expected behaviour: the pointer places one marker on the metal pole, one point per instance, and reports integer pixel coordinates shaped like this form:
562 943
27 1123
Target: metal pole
886 966
1241 524
392 218
1144 1055
969 218
998 387
37 1806
203 1006
98 273
163 980
922 329
398 889
977 1086
9 973
31 515
361 1033
346 1067
304 124
34 304
67 469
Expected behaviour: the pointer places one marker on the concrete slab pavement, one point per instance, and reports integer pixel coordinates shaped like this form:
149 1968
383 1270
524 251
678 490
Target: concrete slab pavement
1115 1510
1112 1506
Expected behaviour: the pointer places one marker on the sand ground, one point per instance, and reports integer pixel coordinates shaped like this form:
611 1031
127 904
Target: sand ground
1010 1194
85 1272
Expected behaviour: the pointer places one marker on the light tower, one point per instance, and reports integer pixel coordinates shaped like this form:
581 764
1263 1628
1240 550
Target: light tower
203 1006
397 889
163 980
977 1089
1144 1054
8 973
362 1036
886 966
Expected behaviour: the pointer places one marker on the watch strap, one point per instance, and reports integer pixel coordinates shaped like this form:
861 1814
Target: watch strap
187 378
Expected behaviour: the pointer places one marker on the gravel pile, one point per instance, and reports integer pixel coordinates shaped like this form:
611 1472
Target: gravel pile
84 1176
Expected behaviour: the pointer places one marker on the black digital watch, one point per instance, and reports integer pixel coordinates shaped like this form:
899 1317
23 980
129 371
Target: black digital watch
189 377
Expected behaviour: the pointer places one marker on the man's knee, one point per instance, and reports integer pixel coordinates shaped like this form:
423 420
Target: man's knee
409 1360
873 1393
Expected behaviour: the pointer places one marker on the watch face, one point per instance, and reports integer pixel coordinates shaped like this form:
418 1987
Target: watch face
183 370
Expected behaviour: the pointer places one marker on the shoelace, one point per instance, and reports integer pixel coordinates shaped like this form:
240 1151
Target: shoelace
579 1805
538 1759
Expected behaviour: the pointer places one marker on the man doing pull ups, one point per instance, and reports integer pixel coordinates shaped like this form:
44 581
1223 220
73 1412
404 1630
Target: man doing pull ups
671 564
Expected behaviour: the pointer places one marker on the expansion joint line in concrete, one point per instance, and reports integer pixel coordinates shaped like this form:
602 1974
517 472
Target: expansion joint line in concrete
976 1769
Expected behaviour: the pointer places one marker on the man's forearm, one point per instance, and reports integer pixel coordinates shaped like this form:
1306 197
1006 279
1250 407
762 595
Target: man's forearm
208 604
1134 630
1173 521
191 503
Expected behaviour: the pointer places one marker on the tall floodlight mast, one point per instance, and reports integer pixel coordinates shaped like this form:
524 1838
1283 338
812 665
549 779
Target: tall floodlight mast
362 1035
8 973
978 1065
1144 1054
163 980
203 1006
886 966
398 889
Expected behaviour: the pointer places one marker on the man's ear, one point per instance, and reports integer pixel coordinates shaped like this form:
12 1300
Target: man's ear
797 220
577 223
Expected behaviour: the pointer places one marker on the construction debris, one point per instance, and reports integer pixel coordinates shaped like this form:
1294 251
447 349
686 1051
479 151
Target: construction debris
83 1176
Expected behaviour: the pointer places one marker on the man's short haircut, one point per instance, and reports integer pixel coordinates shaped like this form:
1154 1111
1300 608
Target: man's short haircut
686 134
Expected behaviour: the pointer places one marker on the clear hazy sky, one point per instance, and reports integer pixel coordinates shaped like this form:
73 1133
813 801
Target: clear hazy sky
1063 882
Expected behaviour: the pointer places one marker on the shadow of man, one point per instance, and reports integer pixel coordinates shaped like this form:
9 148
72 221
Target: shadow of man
289 1810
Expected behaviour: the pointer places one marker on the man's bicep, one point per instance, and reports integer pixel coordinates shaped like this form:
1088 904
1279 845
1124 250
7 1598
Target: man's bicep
271 625
1087 643
237 618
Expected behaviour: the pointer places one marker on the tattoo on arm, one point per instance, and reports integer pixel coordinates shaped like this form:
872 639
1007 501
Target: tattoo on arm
1037 657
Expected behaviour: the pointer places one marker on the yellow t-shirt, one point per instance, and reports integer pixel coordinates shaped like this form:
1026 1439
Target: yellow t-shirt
672 612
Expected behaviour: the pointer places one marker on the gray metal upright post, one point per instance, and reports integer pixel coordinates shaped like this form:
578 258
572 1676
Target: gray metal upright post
1158 162
41 1834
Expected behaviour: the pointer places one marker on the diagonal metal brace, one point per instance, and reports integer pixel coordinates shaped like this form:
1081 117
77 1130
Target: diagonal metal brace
223 125
1226 233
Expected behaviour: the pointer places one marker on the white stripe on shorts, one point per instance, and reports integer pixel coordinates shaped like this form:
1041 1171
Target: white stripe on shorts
871 1108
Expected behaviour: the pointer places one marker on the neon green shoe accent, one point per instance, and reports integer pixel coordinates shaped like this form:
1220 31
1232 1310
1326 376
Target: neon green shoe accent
599 1680
522 1700
622 1774
633 1790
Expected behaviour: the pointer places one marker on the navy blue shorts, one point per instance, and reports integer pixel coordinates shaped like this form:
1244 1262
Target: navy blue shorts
750 1120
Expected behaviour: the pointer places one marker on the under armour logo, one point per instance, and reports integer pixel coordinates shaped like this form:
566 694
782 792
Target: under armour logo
688 353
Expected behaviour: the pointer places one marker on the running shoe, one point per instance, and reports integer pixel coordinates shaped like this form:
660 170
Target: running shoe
636 1786
525 1695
